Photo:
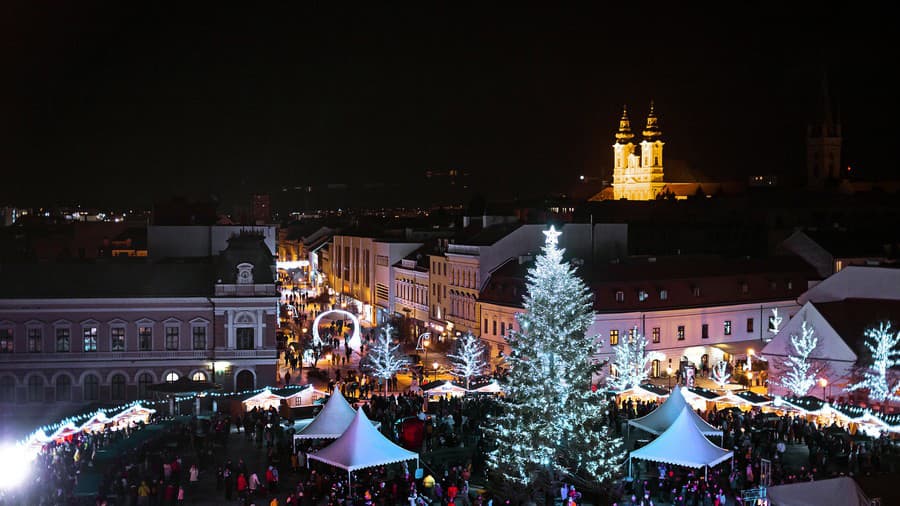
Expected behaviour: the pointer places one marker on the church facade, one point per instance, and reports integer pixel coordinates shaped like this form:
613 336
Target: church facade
638 169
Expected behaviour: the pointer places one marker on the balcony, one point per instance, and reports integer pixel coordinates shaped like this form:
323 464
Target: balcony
137 355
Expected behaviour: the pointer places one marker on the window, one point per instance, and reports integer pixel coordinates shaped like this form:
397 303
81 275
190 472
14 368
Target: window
35 388
773 285
35 340
199 337
727 328
502 328
7 389
494 331
6 341
745 288
62 340
485 325
89 335
117 387
445 270
696 291
620 296
171 338
681 332
642 295
144 380
631 332
656 334
663 294
704 331
117 339
199 376
172 377
245 338
789 284
63 388
91 388
145 338
749 324
613 337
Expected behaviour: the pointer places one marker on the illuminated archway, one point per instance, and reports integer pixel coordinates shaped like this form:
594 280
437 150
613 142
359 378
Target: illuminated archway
355 340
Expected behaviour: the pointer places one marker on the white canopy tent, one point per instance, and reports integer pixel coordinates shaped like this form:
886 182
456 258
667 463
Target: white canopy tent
362 446
305 397
491 387
444 388
263 400
682 444
332 421
844 491
662 417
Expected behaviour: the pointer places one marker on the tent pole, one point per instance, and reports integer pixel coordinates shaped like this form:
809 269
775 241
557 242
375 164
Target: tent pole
350 483
705 473
629 466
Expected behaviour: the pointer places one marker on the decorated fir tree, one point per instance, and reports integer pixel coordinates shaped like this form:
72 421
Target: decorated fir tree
552 426
882 344
632 363
469 359
383 360
720 373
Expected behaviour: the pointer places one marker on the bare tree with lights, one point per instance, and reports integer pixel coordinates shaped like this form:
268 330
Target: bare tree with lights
469 359
775 321
551 425
720 373
882 344
800 376
632 362
383 360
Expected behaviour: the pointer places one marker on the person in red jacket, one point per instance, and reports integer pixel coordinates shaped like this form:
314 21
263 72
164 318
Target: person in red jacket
242 486
452 491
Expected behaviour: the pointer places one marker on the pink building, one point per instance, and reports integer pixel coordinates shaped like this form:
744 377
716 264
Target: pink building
80 333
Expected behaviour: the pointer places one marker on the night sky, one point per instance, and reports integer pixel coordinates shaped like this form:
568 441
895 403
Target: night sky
108 104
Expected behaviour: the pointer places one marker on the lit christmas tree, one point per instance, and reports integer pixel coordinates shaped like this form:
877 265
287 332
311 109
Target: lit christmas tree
774 322
798 379
632 363
383 360
882 343
552 427
469 361
720 373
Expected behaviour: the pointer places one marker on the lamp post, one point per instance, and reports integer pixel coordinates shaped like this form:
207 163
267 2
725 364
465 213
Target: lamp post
435 366
823 383
425 345
669 376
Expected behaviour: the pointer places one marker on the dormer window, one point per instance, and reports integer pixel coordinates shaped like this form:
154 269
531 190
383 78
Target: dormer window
696 290
642 295
745 287
245 274
620 296
663 294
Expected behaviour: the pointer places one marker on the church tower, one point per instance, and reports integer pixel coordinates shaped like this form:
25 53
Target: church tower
652 154
823 147
638 176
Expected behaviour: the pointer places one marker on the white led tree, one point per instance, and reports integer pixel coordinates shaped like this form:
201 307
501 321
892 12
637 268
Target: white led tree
720 373
799 378
469 359
551 425
882 343
774 322
632 363
383 360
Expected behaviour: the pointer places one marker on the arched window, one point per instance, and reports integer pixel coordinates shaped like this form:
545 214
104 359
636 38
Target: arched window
7 389
199 376
172 377
91 388
35 388
144 380
63 388
245 381
117 387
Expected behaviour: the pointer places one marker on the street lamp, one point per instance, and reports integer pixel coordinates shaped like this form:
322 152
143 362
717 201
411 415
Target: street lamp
435 366
669 375
823 383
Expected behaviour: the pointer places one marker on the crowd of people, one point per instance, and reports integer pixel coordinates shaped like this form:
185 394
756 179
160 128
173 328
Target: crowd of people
755 436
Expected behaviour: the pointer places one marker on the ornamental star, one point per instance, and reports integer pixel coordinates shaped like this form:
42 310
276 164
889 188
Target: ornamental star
552 236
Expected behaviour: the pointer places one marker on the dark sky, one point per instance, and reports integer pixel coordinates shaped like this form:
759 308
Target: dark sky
117 104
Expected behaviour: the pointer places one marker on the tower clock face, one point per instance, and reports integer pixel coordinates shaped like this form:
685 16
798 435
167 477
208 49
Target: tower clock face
245 276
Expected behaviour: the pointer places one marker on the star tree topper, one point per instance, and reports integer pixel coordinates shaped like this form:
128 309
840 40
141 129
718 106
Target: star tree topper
552 236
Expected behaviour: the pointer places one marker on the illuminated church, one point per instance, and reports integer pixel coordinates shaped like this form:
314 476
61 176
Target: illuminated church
638 176
638 172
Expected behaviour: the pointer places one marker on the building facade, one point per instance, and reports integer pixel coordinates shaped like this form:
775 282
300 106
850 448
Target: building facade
638 174
104 332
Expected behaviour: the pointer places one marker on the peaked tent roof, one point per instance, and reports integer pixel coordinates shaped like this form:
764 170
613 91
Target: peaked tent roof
662 417
362 446
843 490
682 444
332 421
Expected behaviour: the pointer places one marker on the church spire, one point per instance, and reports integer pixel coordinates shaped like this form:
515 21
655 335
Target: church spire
651 131
624 135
